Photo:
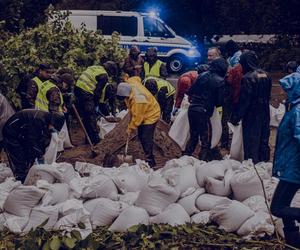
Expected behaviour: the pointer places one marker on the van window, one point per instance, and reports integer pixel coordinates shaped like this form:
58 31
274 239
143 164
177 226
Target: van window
126 26
155 28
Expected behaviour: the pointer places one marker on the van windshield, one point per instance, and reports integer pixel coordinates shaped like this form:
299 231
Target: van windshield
124 25
154 28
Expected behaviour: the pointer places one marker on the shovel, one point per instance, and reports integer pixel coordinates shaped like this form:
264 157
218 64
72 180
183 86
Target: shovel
125 158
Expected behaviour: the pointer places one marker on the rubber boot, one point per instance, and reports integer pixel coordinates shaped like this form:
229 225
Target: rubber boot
205 154
292 236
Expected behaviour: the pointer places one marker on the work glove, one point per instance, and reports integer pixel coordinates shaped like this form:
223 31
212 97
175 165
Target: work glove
234 122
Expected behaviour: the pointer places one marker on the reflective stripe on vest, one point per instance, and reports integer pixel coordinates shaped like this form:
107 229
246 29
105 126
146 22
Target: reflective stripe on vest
154 71
162 83
87 81
42 103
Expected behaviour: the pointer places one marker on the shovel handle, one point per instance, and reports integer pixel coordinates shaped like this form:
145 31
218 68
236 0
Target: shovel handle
126 146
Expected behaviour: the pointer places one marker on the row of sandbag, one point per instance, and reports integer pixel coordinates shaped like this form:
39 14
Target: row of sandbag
185 190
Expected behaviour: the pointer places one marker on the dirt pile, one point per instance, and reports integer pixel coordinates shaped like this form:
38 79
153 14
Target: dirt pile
114 143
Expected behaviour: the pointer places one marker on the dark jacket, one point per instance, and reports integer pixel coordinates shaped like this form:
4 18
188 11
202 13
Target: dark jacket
130 66
255 90
28 90
29 128
208 90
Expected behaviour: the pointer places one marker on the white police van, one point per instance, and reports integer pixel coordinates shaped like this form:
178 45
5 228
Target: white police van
141 29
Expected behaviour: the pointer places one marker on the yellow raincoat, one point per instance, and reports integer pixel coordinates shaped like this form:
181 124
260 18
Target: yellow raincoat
142 105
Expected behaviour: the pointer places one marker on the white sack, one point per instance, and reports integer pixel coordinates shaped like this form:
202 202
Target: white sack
56 193
201 218
157 195
246 184
22 199
131 178
214 169
39 215
70 222
219 187
42 172
276 115
256 203
230 215
237 148
103 211
5 172
181 174
180 129
257 225
189 202
216 126
270 186
173 215
64 138
129 198
129 217
5 189
51 151
14 224
70 206
67 171
100 186
87 169
207 202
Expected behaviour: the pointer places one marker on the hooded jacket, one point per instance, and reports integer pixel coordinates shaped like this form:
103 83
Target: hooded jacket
142 105
255 89
208 90
287 158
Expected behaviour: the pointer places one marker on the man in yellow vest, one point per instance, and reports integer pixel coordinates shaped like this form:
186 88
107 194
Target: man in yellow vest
50 95
153 66
164 93
144 111
30 85
90 90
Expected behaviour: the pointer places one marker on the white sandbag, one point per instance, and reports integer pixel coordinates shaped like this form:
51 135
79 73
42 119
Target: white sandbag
237 148
216 126
230 215
276 115
87 169
42 172
40 215
56 193
256 203
129 198
100 186
51 151
201 218
173 215
5 172
258 225
64 138
246 184
22 199
129 217
70 222
189 202
103 211
131 178
270 186
70 206
219 187
214 169
157 195
67 171
5 189
15 224
207 202
180 129
181 174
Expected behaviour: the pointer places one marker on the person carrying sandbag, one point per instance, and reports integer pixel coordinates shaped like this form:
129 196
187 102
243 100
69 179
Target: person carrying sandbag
26 136
287 162
206 94
144 111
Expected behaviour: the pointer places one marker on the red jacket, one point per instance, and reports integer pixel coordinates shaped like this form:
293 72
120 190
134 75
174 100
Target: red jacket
234 79
184 83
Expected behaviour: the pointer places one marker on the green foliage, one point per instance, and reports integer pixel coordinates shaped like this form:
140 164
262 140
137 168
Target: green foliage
191 236
58 44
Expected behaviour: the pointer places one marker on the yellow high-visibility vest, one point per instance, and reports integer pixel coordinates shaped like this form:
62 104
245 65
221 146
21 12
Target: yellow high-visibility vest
163 83
87 81
154 71
42 103
39 84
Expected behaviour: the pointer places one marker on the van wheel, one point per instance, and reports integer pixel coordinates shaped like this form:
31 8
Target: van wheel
175 64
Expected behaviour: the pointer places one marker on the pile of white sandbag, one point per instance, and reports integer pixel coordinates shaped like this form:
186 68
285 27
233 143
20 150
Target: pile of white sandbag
226 192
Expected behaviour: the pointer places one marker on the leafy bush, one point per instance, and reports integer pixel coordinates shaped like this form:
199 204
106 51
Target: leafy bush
57 43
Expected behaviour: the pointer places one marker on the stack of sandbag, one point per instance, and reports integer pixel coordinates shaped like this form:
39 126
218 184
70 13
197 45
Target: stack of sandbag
185 190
